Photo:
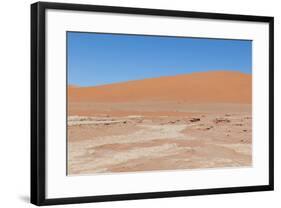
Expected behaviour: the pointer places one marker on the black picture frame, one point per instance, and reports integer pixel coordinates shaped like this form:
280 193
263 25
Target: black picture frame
38 106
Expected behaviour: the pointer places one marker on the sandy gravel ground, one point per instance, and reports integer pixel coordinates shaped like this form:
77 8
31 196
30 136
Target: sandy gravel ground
117 141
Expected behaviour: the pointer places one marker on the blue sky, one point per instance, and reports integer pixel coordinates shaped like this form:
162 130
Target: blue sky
98 59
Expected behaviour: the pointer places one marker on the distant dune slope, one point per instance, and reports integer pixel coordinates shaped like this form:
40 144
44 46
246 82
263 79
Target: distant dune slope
201 87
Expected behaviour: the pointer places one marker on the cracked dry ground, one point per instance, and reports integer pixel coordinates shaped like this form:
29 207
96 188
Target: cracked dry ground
106 144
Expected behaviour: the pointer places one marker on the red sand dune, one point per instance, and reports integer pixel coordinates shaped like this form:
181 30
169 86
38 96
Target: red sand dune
201 87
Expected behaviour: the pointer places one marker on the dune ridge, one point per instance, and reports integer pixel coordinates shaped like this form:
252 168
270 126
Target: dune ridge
200 87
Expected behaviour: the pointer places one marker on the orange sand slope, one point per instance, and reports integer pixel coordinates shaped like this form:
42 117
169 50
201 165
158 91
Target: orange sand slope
201 87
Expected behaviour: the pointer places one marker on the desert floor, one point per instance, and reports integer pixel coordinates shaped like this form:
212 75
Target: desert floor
104 138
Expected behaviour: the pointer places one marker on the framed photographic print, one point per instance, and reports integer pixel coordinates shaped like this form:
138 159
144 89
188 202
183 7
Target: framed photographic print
134 103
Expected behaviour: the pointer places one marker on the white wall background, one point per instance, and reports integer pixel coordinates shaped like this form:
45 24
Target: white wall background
15 96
